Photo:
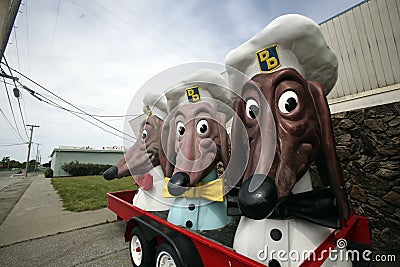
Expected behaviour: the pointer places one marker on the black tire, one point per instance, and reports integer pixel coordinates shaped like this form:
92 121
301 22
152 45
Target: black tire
166 253
144 257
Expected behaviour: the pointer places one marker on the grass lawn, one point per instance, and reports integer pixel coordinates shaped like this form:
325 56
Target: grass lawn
88 192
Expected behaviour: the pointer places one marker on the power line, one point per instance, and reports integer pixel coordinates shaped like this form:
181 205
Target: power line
75 113
126 34
27 35
102 127
22 117
85 113
19 104
16 46
12 127
8 83
17 144
96 109
52 40
12 111
48 101
137 29
19 66
158 29
89 108
9 139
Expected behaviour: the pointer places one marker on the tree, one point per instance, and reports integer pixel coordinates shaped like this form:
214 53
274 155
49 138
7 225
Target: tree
47 165
8 163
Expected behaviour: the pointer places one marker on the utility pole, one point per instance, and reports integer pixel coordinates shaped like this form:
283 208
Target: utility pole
37 157
29 148
8 160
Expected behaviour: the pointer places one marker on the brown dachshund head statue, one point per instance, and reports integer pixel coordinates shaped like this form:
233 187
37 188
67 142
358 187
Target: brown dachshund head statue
294 112
143 155
195 140
290 69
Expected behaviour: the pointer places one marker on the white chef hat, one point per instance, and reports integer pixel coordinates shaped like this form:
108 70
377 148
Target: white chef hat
289 41
156 105
153 105
202 86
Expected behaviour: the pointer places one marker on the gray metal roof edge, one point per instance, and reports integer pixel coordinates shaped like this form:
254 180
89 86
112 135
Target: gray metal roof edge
85 150
344 11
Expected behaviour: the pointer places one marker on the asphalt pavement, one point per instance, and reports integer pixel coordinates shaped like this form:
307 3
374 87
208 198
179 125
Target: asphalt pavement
101 245
10 192
37 231
10 177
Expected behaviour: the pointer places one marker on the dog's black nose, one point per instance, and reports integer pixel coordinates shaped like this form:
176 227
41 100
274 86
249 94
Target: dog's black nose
258 203
178 183
111 173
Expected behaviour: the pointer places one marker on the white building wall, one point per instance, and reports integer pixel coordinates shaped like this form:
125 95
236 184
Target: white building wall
59 157
366 39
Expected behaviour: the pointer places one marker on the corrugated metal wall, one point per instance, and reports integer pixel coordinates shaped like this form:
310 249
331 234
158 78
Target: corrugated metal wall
366 40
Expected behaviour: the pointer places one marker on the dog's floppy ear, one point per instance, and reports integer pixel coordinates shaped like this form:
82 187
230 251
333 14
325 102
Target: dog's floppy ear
164 163
238 159
223 136
327 160
167 152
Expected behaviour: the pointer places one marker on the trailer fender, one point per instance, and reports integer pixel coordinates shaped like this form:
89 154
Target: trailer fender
183 246
148 232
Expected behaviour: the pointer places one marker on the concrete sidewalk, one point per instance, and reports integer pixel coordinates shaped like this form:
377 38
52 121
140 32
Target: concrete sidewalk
39 213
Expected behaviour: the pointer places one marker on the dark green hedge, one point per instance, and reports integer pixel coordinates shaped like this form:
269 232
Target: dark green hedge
83 169
48 173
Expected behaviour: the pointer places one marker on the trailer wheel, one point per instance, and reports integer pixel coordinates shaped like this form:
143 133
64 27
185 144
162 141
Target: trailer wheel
141 250
167 257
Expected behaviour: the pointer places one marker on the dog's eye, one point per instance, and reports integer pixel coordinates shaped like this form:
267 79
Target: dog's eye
180 128
144 134
252 108
287 102
202 127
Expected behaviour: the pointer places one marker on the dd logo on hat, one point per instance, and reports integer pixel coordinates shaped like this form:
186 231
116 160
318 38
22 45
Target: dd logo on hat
268 58
193 94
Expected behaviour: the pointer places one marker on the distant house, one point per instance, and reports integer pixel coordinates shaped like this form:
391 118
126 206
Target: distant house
61 155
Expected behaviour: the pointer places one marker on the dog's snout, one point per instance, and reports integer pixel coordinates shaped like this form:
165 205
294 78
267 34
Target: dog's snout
178 183
111 173
257 203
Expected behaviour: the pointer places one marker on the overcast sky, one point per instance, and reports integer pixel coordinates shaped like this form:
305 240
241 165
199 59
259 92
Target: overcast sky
97 54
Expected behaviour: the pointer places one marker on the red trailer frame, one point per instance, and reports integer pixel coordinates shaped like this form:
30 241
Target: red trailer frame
212 253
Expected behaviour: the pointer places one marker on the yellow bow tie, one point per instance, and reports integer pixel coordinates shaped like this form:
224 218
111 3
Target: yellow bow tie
213 190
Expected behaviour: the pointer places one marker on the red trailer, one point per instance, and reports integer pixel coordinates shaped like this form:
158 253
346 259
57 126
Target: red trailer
156 242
